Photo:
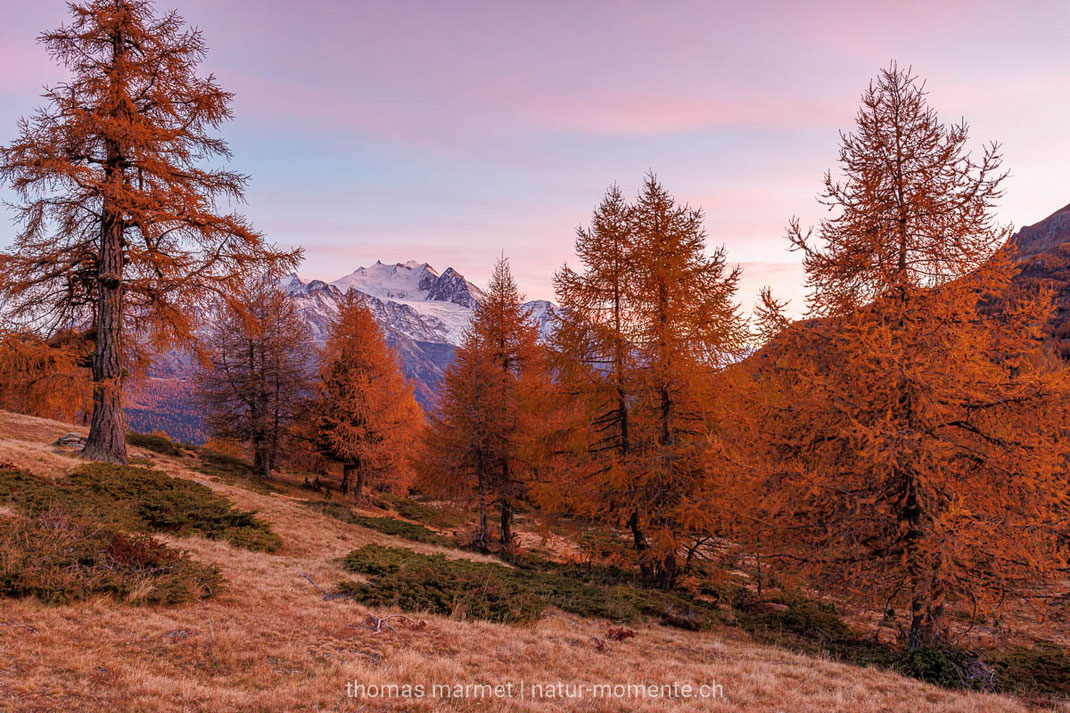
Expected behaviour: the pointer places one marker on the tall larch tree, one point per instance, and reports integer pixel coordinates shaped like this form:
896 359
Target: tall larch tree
915 428
122 227
258 371
482 435
366 415
594 360
685 330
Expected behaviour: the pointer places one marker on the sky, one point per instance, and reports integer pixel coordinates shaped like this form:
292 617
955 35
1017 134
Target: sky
451 132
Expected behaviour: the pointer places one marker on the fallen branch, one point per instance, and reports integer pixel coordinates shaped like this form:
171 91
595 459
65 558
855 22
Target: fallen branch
378 623
326 595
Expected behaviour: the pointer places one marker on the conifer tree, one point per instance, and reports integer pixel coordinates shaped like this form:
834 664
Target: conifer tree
647 329
686 330
367 416
595 359
915 433
47 378
121 226
482 434
259 370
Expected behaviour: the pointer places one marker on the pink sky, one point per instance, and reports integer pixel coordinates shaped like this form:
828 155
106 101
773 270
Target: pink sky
449 131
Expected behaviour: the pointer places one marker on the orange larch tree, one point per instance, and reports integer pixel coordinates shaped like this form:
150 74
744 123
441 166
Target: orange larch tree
594 360
45 377
121 226
366 415
646 332
686 329
258 369
489 415
914 429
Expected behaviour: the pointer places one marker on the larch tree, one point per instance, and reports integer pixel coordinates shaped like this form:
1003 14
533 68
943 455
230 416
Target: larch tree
481 437
366 415
646 332
915 429
594 360
45 377
258 370
122 229
686 328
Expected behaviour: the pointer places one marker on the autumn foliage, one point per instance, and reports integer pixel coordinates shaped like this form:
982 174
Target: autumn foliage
257 371
365 414
648 327
121 230
48 378
483 439
916 452
904 444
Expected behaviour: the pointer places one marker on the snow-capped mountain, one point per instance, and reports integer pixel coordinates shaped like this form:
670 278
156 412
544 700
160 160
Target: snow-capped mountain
423 315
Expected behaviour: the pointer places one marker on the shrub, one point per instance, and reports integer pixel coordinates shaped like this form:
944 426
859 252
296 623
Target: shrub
402 529
946 667
435 583
155 442
60 559
232 469
139 500
1041 669
386 525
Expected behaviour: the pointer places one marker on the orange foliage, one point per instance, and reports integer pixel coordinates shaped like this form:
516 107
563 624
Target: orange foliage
45 378
647 330
484 439
367 417
120 226
914 430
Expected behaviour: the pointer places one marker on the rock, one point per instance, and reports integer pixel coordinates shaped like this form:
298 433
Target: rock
70 440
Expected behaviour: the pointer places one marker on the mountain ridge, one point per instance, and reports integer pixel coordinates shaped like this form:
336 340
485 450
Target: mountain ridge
422 313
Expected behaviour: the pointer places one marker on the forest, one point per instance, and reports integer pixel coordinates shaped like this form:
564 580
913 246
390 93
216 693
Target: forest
883 481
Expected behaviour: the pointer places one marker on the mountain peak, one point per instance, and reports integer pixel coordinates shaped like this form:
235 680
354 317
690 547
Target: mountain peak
1044 236
411 281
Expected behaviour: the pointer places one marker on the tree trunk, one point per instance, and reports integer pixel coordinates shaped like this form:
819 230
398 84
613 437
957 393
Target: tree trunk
358 487
667 572
507 526
480 539
107 428
347 470
261 457
641 547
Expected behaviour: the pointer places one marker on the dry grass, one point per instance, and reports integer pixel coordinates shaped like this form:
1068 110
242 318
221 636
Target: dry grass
269 643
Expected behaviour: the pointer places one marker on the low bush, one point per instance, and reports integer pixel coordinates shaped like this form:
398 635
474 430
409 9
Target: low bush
59 559
386 525
1042 669
232 470
138 500
155 442
457 587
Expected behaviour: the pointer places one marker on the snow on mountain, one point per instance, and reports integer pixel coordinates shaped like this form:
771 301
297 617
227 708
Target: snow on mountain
423 314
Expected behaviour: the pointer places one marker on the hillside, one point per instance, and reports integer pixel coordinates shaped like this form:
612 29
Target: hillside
269 642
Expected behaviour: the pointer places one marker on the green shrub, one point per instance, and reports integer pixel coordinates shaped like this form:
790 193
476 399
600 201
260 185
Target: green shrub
1041 669
59 559
435 583
386 525
138 500
231 470
943 667
154 442
402 529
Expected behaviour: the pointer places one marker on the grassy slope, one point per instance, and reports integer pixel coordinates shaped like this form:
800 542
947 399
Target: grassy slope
269 643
